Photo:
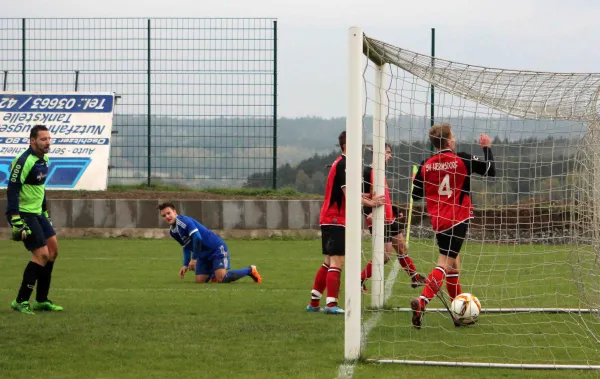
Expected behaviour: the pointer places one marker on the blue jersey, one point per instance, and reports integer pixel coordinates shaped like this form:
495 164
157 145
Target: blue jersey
197 240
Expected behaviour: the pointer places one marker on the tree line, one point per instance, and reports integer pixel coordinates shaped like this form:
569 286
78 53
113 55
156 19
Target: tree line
540 169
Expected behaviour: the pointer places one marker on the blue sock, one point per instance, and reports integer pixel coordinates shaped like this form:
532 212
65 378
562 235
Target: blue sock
234 275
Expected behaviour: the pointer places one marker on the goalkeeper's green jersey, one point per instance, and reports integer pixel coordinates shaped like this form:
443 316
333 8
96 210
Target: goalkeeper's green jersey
27 184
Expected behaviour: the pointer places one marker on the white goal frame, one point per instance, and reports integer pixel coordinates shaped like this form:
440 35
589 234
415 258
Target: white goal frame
355 333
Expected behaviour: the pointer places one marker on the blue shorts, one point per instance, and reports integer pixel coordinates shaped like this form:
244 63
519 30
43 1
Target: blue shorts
41 230
207 264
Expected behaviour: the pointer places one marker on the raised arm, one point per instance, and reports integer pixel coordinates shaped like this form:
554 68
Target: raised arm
485 167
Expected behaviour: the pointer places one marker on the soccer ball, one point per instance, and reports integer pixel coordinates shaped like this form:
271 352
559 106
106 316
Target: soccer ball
465 308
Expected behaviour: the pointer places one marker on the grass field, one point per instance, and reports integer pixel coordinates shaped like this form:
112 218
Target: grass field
128 315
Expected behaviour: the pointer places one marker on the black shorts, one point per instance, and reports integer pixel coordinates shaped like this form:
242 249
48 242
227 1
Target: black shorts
390 231
333 240
450 241
41 230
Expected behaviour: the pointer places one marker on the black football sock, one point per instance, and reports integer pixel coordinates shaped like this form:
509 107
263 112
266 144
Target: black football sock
30 275
43 285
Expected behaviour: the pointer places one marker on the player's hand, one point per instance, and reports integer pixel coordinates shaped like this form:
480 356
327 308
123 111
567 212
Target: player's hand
182 271
370 216
366 195
48 217
485 140
379 200
192 265
20 230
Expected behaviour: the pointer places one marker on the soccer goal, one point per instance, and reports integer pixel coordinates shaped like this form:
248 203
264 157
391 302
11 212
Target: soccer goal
532 255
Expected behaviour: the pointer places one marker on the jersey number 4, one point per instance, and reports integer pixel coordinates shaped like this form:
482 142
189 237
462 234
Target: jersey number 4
444 188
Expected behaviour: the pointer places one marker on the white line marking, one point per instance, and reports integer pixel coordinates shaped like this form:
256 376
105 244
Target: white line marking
346 370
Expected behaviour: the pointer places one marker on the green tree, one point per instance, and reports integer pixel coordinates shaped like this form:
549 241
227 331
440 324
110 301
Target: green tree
303 182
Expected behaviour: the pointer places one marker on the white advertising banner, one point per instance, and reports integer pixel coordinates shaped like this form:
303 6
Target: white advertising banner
80 125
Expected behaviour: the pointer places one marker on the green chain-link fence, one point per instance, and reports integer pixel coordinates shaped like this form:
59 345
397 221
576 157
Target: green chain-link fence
198 97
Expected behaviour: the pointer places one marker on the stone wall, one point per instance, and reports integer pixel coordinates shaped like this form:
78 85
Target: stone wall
268 218
140 218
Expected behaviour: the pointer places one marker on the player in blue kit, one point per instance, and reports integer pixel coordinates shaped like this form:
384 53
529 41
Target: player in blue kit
205 247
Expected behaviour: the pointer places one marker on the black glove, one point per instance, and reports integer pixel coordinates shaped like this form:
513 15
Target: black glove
20 230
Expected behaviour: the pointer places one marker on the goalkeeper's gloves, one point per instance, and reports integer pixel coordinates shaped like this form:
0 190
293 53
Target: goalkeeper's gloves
48 217
20 230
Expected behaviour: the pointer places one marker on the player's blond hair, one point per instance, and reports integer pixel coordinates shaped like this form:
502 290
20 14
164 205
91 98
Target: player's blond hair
440 134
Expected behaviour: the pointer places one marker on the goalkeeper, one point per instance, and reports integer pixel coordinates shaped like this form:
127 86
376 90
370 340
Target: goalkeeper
203 250
27 215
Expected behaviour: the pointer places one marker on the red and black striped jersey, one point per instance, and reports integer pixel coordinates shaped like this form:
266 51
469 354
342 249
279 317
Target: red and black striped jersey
445 182
333 210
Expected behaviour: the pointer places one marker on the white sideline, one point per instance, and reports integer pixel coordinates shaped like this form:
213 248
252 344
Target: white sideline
346 370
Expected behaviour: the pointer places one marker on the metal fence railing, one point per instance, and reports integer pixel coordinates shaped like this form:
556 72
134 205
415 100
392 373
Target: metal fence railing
198 97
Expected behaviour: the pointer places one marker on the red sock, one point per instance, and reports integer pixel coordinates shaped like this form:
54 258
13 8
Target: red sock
319 285
367 272
333 286
452 284
433 284
407 264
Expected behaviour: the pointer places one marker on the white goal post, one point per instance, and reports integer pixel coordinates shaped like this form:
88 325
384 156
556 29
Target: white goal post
532 255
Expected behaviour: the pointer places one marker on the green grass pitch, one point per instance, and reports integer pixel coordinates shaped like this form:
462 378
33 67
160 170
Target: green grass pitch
128 315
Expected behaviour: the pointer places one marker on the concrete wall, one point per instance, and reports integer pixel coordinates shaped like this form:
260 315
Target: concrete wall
106 218
268 218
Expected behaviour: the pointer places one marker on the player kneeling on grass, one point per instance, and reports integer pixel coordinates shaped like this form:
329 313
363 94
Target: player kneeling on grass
205 247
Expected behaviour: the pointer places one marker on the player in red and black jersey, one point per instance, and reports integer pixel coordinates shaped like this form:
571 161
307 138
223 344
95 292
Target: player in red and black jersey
333 235
393 238
444 180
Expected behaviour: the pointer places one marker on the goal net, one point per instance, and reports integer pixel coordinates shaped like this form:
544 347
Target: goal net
532 254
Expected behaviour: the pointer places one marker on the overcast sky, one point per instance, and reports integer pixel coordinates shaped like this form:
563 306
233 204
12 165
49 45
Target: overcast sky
540 35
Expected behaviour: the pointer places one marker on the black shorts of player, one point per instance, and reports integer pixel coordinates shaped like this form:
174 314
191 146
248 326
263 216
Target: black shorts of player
450 241
333 239
41 230
389 231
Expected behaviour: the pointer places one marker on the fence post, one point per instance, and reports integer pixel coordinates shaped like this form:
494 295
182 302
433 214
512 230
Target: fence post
5 84
23 61
76 80
275 104
149 112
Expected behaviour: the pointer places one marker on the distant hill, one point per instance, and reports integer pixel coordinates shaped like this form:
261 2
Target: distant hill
236 152
220 152
527 170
